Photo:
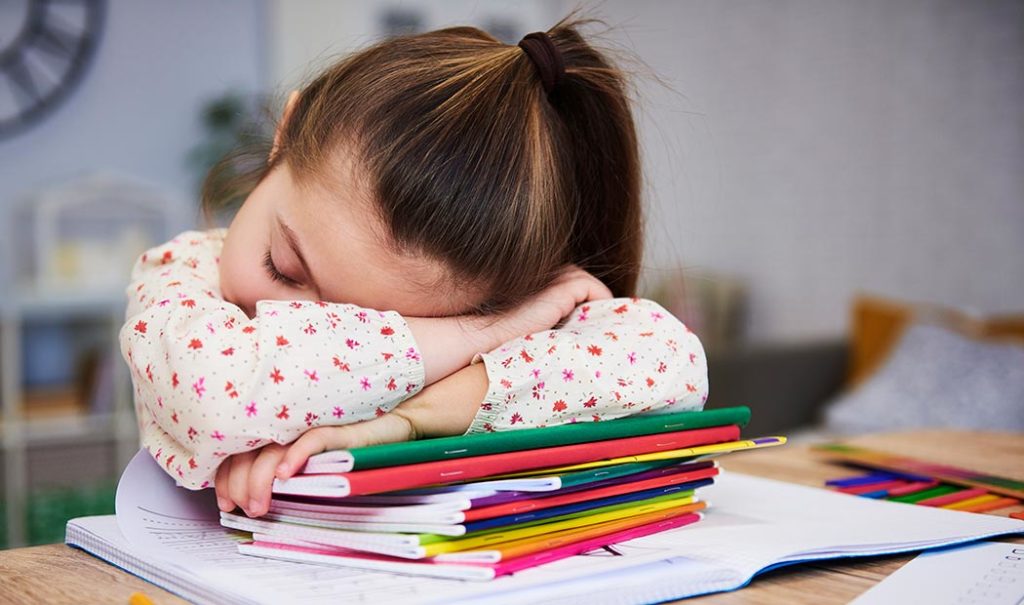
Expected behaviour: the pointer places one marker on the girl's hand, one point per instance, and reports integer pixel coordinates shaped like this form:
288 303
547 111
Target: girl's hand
545 309
245 479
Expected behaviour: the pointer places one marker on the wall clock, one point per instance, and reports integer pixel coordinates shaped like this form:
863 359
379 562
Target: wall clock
45 48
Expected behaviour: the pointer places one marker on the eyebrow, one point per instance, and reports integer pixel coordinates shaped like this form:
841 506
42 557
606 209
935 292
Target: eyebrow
293 243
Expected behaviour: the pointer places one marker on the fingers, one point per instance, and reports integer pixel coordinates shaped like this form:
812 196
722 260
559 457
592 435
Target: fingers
220 484
238 479
261 478
311 442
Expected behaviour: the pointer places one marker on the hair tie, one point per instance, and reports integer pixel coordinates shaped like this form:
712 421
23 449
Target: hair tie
546 57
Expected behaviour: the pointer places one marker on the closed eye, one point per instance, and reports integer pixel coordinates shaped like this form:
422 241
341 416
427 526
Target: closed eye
272 271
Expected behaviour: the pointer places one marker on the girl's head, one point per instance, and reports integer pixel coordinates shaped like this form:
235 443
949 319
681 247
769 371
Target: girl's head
431 174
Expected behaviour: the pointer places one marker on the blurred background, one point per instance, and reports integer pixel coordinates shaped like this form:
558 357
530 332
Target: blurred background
835 199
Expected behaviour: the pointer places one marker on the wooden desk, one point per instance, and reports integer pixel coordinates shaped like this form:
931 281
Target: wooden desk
59 574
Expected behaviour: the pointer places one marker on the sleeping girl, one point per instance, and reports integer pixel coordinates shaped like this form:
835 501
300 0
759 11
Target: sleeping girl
443 236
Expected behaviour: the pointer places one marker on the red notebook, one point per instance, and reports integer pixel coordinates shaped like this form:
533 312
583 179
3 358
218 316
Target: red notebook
375 481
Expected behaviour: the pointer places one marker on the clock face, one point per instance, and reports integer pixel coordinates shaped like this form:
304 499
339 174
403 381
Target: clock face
45 46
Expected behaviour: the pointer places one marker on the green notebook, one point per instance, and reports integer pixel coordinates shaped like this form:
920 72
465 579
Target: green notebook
482 444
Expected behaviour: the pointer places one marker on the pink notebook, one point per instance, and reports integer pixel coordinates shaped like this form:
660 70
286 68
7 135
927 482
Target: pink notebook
466 571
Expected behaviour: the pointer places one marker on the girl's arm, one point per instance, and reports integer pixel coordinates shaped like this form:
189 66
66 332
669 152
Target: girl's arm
210 381
612 358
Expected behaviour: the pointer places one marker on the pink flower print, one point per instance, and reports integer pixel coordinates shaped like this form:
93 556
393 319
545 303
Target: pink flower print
515 419
661 367
277 376
195 344
621 309
380 412
338 412
507 362
283 413
164 302
650 382
411 354
309 329
693 358
295 304
192 432
551 349
149 372
631 356
387 331
210 328
559 406
365 383
311 418
311 375
409 387
199 387
595 418
228 351
219 436
282 341
174 380
391 386
612 335
361 316
672 344
320 304
387 356
141 327
594 350
567 375
351 343
657 315
590 402
341 365
159 401
536 373
505 382
526 356
174 416
192 463
229 388
250 410
646 334
248 329
538 390
583 315
691 388
230 323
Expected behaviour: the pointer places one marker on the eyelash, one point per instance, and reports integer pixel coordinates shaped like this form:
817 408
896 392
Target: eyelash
268 263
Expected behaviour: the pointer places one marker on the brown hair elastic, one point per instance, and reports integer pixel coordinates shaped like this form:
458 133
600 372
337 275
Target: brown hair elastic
546 56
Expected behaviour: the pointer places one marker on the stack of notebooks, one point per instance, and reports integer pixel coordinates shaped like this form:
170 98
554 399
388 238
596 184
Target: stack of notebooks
481 506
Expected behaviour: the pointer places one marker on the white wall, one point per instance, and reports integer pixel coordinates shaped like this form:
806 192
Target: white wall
817 148
136 110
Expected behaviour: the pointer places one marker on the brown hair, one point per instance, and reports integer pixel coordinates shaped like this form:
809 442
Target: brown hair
471 162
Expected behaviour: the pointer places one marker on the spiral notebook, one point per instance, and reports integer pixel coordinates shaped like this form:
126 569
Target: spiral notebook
172 537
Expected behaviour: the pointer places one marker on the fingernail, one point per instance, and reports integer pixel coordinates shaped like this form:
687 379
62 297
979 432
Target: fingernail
223 504
255 507
282 469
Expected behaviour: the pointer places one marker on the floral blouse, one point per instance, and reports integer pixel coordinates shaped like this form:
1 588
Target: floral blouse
210 382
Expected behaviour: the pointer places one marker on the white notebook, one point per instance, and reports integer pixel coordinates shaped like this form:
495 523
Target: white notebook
172 538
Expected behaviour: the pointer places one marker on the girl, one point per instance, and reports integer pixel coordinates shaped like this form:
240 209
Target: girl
417 255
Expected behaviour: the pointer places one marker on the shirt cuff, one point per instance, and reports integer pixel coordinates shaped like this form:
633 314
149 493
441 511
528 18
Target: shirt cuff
494 402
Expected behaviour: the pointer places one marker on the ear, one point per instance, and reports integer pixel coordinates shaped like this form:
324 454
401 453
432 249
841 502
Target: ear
293 96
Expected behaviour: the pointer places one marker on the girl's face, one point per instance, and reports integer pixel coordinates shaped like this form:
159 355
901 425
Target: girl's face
307 243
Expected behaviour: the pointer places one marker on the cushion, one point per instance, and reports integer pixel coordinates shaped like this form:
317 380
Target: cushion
937 377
